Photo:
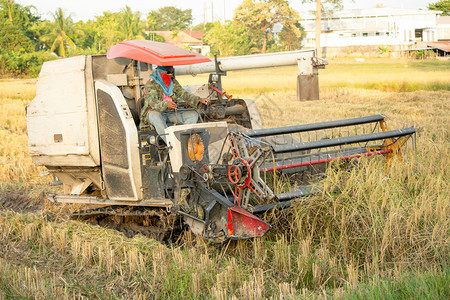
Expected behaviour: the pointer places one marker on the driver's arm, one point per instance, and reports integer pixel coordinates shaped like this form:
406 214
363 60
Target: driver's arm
189 98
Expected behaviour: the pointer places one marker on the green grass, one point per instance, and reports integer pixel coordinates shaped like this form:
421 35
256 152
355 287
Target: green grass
419 285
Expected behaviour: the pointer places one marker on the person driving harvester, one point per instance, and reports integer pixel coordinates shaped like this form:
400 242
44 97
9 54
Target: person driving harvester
159 106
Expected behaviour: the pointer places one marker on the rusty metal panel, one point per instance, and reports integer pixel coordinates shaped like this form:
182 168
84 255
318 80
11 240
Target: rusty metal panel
307 87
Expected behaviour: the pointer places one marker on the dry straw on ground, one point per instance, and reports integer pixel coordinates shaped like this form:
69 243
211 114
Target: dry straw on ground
381 224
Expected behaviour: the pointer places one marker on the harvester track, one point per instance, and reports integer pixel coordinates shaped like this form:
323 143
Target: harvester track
155 223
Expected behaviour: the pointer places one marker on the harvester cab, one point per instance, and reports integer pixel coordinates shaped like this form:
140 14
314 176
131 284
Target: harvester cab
215 176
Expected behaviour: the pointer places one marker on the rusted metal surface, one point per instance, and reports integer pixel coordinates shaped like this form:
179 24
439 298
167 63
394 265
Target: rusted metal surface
308 87
242 224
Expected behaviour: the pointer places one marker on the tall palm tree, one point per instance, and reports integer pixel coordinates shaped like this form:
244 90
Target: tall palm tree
16 13
62 27
131 25
10 6
107 28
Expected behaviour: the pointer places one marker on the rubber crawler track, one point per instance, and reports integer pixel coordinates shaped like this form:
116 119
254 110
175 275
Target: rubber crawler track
155 223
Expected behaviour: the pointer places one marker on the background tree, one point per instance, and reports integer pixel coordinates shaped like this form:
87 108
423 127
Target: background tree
155 37
12 38
19 39
229 39
131 25
13 21
16 13
291 37
45 34
169 18
62 28
23 18
8 7
260 16
205 27
107 30
85 38
442 5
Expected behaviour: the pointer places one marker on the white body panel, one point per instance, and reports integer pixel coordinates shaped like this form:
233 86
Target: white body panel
58 117
133 171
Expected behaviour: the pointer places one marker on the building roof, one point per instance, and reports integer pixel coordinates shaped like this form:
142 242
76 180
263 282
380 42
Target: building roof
181 38
372 12
444 45
196 34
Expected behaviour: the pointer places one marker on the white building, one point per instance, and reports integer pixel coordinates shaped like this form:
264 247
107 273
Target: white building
443 28
374 26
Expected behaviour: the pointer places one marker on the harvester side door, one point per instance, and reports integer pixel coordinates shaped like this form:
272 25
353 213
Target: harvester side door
118 144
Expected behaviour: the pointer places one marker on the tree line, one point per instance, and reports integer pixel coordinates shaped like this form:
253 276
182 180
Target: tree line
26 40
258 26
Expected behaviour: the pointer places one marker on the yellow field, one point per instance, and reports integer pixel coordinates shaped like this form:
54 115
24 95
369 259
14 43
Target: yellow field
381 225
381 74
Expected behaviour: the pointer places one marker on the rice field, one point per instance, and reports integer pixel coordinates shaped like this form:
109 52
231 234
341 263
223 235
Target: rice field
396 75
385 234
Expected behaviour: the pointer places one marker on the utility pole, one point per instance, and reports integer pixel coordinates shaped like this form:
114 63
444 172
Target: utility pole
318 26
204 15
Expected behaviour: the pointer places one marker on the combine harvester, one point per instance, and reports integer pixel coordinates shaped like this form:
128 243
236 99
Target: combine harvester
212 176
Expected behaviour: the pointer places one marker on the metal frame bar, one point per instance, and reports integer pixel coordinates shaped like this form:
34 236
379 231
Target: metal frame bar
321 161
96 200
343 140
312 127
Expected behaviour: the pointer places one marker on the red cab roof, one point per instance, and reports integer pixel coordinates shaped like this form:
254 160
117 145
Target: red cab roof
156 53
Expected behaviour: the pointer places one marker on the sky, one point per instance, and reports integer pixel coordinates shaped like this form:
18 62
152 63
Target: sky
202 10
